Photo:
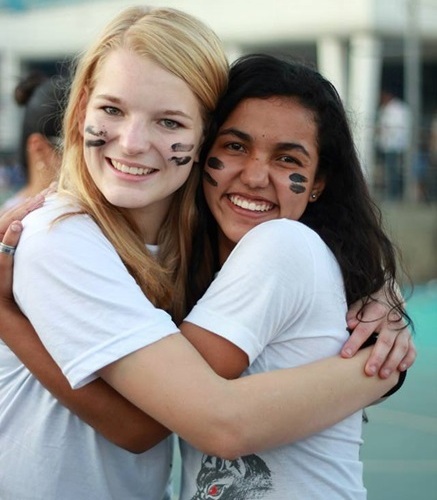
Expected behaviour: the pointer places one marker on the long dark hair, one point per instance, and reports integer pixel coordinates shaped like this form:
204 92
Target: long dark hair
344 215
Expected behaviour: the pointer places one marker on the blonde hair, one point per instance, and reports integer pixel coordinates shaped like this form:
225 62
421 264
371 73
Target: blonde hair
186 47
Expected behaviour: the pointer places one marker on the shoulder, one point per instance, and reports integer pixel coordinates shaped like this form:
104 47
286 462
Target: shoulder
53 208
284 232
47 233
275 245
50 220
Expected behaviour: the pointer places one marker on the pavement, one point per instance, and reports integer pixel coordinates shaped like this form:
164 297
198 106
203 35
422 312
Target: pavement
400 440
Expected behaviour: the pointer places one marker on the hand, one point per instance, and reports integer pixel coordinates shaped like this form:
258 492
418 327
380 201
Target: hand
19 212
10 238
394 348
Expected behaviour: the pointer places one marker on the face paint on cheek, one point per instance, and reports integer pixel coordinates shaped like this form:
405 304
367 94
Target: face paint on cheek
180 160
179 147
95 143
182 148
209 179
296 183
215 163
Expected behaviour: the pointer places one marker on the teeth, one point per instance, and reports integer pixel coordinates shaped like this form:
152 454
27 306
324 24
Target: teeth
131 170
250 205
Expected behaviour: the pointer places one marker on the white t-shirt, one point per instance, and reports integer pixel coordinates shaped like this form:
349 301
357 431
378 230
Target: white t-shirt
280 298
89 312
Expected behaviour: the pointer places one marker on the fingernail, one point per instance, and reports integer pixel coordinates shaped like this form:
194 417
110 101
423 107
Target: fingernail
403 367
347 352
386 372
16 227
372 369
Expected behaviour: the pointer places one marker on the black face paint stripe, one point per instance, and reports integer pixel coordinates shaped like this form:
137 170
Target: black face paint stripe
209 179
180 160
91 131
298 178
94 144
296 183
184 148
297 188
215 163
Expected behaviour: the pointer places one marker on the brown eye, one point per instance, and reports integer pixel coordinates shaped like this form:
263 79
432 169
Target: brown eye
289 159
234 146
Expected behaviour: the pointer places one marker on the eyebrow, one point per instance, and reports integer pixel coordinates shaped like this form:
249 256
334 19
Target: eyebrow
280 146
118 101
287 146
234 131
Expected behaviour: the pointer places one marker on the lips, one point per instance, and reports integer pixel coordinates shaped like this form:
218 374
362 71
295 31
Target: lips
126 169
251 205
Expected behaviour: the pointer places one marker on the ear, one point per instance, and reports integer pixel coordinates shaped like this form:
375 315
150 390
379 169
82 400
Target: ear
38 149
317 189
35 143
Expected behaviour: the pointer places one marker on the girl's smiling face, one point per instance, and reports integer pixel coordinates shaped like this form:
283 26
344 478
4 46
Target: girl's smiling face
262 166
141 130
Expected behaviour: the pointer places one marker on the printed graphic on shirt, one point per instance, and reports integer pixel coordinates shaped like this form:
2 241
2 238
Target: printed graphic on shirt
246 478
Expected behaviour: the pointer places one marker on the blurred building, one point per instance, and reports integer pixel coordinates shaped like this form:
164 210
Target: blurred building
360 45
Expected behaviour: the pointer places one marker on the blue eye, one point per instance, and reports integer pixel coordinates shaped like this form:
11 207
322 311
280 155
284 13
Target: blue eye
110 110
170 124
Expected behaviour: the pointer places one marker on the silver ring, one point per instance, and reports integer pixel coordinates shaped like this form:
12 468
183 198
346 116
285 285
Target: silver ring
7 249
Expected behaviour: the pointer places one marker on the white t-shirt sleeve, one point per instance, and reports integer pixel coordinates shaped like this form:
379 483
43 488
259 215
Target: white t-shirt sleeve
76 291
262 288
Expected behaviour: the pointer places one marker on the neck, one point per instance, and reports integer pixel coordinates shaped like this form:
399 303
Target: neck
39 178
149 221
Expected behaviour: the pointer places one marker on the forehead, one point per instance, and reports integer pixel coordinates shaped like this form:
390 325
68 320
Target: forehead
276 119
132 77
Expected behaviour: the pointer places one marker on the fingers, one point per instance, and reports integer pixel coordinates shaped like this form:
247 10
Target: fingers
19 212
352 314
13 233
392 351
361 332
363 323
410 357
402 355
10 238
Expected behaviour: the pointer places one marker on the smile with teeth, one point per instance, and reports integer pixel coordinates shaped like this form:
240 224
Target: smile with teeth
253 206
121 167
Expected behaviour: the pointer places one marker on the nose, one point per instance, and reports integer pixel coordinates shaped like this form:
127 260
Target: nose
135 137
255 173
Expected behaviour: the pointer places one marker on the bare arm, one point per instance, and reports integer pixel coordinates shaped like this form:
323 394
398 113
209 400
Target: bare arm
172 382
97 404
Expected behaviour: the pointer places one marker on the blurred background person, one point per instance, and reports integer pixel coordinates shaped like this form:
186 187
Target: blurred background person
393 138
39 152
